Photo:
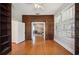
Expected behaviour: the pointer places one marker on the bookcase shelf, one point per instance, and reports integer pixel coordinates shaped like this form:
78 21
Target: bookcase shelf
5 28
5 42
6 49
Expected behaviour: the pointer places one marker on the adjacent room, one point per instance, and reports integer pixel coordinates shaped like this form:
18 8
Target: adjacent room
37 28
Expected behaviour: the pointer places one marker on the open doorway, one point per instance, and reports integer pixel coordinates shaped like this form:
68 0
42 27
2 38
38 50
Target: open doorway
38 29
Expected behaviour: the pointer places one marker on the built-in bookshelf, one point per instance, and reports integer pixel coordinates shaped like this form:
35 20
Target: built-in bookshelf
77 28
5 28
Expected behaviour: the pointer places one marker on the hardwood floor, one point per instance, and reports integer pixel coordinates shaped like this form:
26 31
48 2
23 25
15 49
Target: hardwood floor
41 47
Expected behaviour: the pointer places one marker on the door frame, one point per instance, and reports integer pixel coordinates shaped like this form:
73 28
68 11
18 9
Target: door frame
32 36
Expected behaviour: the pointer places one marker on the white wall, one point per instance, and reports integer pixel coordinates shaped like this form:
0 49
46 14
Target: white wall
18 31
64 28
14 31
16 14
21 32
18 28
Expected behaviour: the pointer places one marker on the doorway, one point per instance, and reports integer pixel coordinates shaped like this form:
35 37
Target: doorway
38 29
49 25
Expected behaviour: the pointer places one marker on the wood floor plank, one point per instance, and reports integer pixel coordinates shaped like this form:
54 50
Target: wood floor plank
41 47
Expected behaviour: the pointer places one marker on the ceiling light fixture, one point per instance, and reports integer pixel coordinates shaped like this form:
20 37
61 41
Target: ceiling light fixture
38 8
36 5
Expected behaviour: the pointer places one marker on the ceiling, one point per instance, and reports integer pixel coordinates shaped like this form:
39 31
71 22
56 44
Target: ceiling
28 8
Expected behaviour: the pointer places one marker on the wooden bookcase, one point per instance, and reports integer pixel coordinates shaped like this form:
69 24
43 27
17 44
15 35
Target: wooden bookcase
5 28
77 28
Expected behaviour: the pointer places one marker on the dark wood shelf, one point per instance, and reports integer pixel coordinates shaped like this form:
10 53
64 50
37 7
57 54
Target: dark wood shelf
77 28
5 28
6 49
5 42
4 36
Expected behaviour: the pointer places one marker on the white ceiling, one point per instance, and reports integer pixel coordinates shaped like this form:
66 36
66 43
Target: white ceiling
28 8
